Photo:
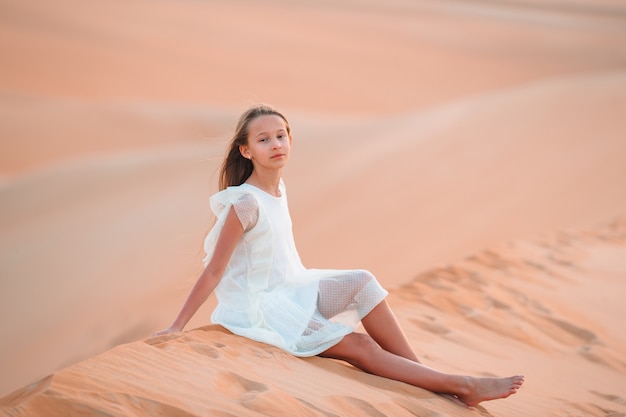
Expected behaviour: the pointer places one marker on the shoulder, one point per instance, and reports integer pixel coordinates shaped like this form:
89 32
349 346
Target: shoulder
233 196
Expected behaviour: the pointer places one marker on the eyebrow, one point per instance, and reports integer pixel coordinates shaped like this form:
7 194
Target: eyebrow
265 133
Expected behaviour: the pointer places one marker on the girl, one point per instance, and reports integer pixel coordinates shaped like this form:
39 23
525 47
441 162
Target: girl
266 294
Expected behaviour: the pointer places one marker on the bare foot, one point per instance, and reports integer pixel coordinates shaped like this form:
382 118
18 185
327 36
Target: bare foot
483 389
455 399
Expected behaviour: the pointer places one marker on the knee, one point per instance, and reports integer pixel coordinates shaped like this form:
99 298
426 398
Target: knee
367 275
365 348
364 277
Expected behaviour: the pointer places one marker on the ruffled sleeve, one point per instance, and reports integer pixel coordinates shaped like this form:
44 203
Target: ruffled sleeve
246 207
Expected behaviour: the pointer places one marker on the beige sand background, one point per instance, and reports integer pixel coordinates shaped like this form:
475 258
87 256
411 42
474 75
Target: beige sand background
471 154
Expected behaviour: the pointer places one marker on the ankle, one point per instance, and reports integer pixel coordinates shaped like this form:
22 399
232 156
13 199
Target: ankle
463 385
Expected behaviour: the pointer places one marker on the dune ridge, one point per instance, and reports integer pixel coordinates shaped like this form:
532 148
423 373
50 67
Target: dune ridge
524 295
554 154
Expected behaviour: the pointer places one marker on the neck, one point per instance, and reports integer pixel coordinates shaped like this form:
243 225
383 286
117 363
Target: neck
266 181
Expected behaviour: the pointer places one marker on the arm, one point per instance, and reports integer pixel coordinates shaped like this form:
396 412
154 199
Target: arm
212 274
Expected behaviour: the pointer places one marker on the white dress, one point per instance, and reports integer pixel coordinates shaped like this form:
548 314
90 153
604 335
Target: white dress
266 294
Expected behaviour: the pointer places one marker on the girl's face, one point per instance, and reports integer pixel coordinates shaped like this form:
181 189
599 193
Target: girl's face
269 144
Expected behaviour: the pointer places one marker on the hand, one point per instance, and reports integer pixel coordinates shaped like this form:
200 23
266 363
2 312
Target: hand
169 330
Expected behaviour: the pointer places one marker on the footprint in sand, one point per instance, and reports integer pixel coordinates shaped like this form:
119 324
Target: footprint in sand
430 327
256 396
356 406
610 397
236 387
317 409
582 335
220 413
32 390
205 350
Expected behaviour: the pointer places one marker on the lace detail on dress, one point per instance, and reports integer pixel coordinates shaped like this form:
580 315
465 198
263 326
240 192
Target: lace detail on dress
247 209
348 290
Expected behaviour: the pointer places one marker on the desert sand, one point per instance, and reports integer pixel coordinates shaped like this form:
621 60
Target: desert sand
470 154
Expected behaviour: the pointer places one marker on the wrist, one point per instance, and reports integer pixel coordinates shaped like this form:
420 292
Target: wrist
175 327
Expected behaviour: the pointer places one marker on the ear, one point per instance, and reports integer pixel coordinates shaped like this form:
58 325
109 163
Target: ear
245 152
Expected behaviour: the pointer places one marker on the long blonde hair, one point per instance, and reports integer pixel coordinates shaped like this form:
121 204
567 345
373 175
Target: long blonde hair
236 169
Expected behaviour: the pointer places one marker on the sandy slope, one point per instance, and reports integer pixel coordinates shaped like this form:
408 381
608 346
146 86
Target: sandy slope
433 185
436 129
542 306
431 197
38 132
343 57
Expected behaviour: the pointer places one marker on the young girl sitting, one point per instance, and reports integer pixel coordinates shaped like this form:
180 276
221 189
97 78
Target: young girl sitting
265 293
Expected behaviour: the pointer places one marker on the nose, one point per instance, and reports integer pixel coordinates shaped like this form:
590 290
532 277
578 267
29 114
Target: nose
276 144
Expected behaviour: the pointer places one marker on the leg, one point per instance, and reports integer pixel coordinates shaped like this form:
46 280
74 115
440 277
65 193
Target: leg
382 325
364 353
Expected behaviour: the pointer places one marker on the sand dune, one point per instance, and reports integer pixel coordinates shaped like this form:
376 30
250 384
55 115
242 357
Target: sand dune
41 133
344 57
436 129
467 175
440 184
519 305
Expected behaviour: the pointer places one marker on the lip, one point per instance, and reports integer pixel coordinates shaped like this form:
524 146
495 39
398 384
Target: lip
280 155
